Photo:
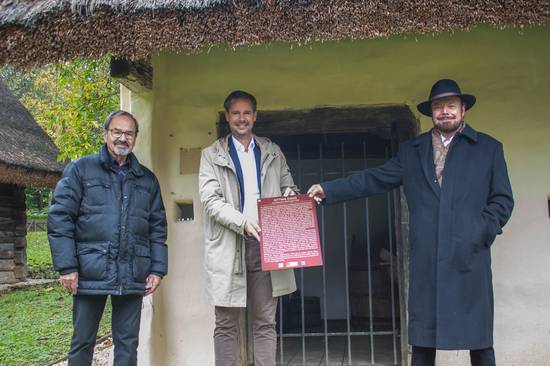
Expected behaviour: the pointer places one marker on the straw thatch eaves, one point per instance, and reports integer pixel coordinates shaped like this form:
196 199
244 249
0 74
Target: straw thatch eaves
27 154
43 31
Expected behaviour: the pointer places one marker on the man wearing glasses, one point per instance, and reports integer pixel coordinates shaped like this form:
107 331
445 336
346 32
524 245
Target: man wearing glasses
107 233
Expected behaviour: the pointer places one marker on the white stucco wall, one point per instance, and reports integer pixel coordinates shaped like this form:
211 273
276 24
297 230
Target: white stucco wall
506 70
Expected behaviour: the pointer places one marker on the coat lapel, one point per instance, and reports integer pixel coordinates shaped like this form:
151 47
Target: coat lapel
267 155
452 164
222 157
425 154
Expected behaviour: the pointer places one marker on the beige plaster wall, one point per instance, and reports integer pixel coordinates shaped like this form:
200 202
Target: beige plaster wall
506 70
140 105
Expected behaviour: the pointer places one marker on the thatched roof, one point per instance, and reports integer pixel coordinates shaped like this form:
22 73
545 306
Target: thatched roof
27 154
50 30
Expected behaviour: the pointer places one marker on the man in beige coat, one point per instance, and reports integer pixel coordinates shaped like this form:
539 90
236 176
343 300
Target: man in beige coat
235 171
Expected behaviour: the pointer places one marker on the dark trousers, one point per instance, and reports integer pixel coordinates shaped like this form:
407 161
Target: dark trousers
261 310
422 356
87 312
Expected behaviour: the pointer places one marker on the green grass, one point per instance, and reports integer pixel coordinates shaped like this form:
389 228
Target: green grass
36 325
36 216
39 257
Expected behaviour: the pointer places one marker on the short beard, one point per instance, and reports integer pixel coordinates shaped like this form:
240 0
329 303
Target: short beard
449 128
121 151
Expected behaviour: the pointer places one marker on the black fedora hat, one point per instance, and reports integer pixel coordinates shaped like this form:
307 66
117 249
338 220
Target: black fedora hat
442 89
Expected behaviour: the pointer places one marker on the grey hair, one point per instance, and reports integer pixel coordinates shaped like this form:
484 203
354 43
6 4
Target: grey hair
118 113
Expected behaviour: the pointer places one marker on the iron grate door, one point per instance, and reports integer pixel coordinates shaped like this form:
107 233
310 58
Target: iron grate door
346 312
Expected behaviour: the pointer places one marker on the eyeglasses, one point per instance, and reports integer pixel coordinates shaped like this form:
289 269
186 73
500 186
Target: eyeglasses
116 133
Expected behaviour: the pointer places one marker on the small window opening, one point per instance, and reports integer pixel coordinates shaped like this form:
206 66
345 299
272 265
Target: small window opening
184 210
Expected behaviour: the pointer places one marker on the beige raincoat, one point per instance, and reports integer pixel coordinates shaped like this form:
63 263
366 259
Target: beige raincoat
223 222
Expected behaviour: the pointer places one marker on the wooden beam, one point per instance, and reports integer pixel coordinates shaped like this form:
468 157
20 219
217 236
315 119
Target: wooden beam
7 277
7 264
13 219
7 250
135 75
376 119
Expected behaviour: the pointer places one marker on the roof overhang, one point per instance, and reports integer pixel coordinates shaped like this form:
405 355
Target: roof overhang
37 32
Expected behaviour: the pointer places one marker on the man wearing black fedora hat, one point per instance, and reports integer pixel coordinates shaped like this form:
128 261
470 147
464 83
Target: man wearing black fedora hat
459 198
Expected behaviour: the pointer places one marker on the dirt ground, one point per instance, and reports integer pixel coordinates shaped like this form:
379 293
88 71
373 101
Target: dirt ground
103 354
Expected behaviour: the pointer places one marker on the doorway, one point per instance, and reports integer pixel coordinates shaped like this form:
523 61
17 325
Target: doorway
352 310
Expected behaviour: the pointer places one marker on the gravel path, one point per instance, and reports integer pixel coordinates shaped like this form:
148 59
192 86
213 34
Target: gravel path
26 283
103 354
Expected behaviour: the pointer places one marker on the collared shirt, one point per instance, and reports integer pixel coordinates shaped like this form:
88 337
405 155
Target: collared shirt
446 140
121 171
250 178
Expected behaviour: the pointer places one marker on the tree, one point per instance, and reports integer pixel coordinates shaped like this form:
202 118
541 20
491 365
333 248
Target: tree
69 100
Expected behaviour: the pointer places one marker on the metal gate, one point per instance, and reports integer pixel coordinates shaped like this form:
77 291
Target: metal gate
346 312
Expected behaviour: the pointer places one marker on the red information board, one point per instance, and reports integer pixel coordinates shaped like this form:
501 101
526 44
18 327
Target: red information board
290 233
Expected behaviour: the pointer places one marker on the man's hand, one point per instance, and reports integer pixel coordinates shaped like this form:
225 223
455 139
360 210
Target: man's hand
152 283
69 281
252 229
317 193
289 192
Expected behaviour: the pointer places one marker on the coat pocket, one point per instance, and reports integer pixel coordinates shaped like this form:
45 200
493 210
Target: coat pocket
463 256
467 241
142 197
213 230
142 263
93 260
96 192
479 232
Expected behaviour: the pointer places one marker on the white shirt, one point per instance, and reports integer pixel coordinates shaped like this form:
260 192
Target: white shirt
250 179
446 141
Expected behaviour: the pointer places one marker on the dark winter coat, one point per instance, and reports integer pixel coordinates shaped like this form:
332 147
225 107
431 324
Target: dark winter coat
452 228
112 231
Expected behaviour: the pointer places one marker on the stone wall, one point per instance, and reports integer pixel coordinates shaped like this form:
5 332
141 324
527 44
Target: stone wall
13 257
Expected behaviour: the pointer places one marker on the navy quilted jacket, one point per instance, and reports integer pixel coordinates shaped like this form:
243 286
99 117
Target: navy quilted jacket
113 234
